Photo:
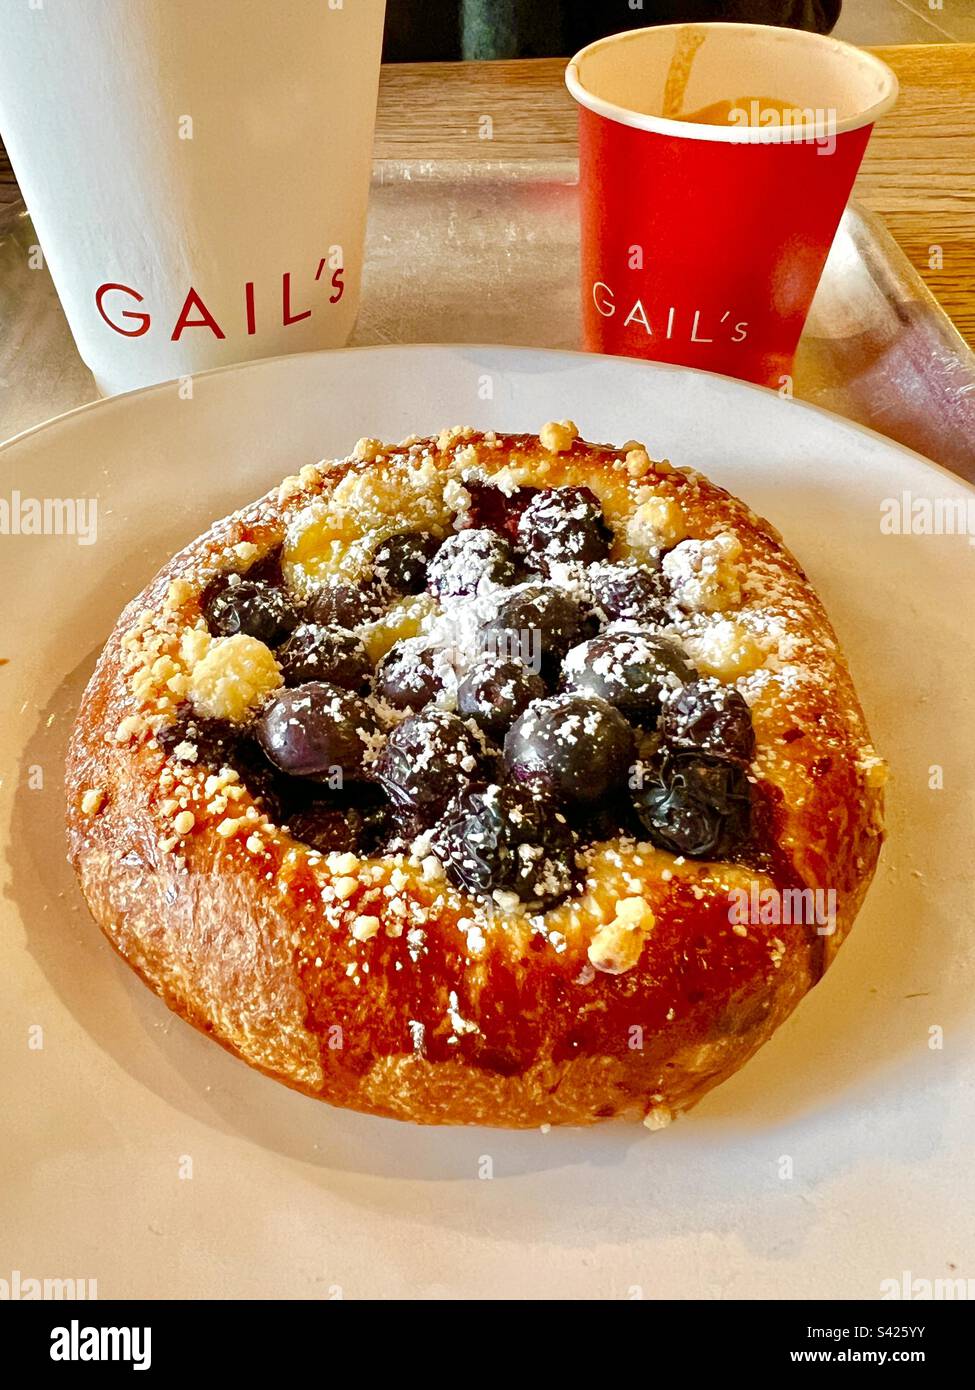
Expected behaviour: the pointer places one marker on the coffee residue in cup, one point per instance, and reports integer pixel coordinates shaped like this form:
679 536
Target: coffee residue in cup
756 110
689 40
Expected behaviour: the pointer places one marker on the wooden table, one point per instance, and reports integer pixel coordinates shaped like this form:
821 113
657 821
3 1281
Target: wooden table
918 174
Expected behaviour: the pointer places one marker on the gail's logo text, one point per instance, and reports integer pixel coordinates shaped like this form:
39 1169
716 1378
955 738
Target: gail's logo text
293 301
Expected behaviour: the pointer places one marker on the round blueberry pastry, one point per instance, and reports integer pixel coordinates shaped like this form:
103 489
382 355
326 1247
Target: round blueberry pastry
480 805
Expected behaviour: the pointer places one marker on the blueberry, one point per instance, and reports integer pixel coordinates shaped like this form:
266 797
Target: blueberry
425 761
495 691
694 804
191 739
604 820
252 607
216 744
408 676
563 525
537 624
316 730
495 510
468 560
628 593
400 562
327 828
317 653
358 820
379 828
264 782
506 837
630 669
268 568
577 747
712 718
347 605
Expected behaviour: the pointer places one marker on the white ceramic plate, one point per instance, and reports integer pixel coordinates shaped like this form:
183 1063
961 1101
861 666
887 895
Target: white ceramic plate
142 1156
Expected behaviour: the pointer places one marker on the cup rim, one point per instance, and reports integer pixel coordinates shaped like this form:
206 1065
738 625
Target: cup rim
739 135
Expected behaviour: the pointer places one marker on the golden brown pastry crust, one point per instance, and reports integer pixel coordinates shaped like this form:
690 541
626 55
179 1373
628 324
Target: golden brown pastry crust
372 984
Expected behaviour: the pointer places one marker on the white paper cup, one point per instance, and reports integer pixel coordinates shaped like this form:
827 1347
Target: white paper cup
197 172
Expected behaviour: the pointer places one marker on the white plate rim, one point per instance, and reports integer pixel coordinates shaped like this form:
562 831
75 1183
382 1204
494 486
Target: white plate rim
106 403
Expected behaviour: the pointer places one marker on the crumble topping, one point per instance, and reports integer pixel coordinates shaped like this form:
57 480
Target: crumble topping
726 649
364 927
92 801
178 594
233 677
657 524
706 575
658 1117
618 945
637 460
367 450
558 436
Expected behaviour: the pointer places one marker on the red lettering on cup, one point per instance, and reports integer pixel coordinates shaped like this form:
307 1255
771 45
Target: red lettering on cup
193 301
143 319
193 304
286 314
249 304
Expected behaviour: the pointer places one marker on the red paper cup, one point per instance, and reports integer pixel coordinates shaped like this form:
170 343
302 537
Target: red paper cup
702 243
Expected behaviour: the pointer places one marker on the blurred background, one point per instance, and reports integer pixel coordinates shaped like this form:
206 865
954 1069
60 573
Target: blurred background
448 30
430 30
